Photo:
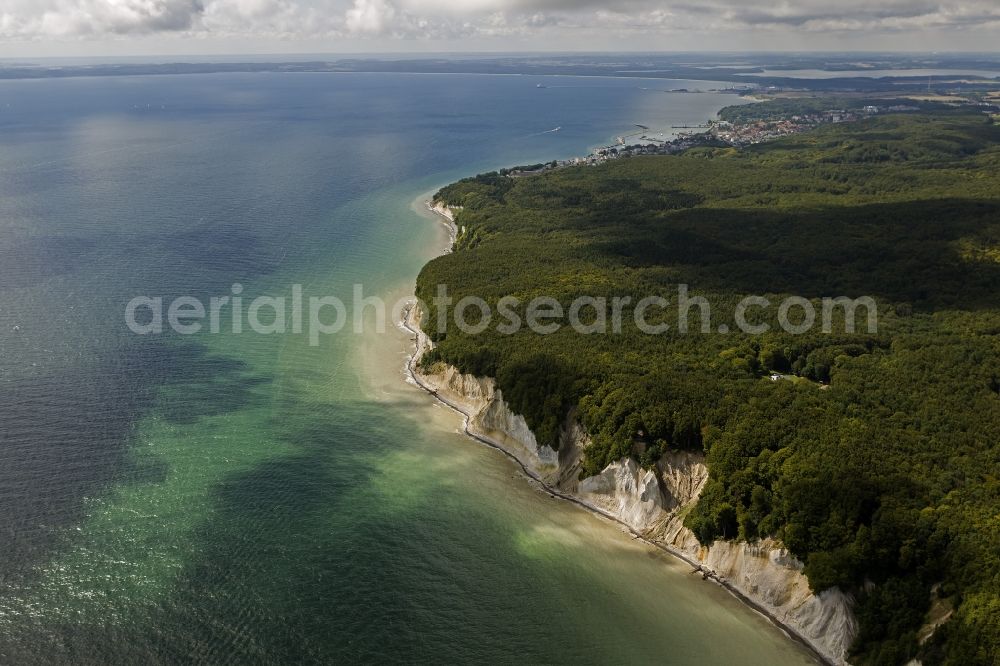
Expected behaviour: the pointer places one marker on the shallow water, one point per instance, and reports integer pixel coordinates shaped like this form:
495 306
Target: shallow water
250 498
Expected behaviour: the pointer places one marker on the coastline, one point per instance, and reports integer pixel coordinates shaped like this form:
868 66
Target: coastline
420 344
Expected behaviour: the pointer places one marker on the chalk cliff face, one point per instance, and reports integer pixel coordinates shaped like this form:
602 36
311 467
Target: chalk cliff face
443 210
767 574
629 493
490 417
653 503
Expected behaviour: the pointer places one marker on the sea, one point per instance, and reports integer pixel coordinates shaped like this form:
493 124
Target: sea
254 498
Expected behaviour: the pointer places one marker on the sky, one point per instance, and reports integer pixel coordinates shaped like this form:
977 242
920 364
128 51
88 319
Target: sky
59 28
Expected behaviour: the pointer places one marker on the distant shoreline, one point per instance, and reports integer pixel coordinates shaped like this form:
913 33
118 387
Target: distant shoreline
83 72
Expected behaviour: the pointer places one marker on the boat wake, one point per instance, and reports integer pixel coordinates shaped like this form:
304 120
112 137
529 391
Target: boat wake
551 131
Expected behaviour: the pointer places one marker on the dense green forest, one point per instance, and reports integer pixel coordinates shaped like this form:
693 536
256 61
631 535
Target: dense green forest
877 460
782 108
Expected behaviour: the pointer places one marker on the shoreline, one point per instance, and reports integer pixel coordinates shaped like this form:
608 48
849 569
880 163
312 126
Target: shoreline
419 343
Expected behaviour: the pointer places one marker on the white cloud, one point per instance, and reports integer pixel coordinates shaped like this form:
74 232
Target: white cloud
451 19
370 17
81 17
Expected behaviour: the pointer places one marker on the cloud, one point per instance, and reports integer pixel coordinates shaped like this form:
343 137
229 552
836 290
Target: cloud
83 17
525 16
451 19
370 17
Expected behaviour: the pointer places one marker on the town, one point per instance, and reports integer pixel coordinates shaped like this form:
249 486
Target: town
726 134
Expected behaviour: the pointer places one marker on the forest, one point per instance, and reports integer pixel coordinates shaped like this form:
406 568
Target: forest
876 456
781 108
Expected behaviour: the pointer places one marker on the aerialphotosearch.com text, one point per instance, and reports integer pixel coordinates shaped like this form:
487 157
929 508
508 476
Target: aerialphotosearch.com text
300 313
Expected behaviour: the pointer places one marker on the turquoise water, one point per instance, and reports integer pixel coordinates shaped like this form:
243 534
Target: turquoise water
255 499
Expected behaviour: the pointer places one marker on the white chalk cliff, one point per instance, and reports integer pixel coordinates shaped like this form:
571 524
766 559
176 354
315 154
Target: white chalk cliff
490 418
653 504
